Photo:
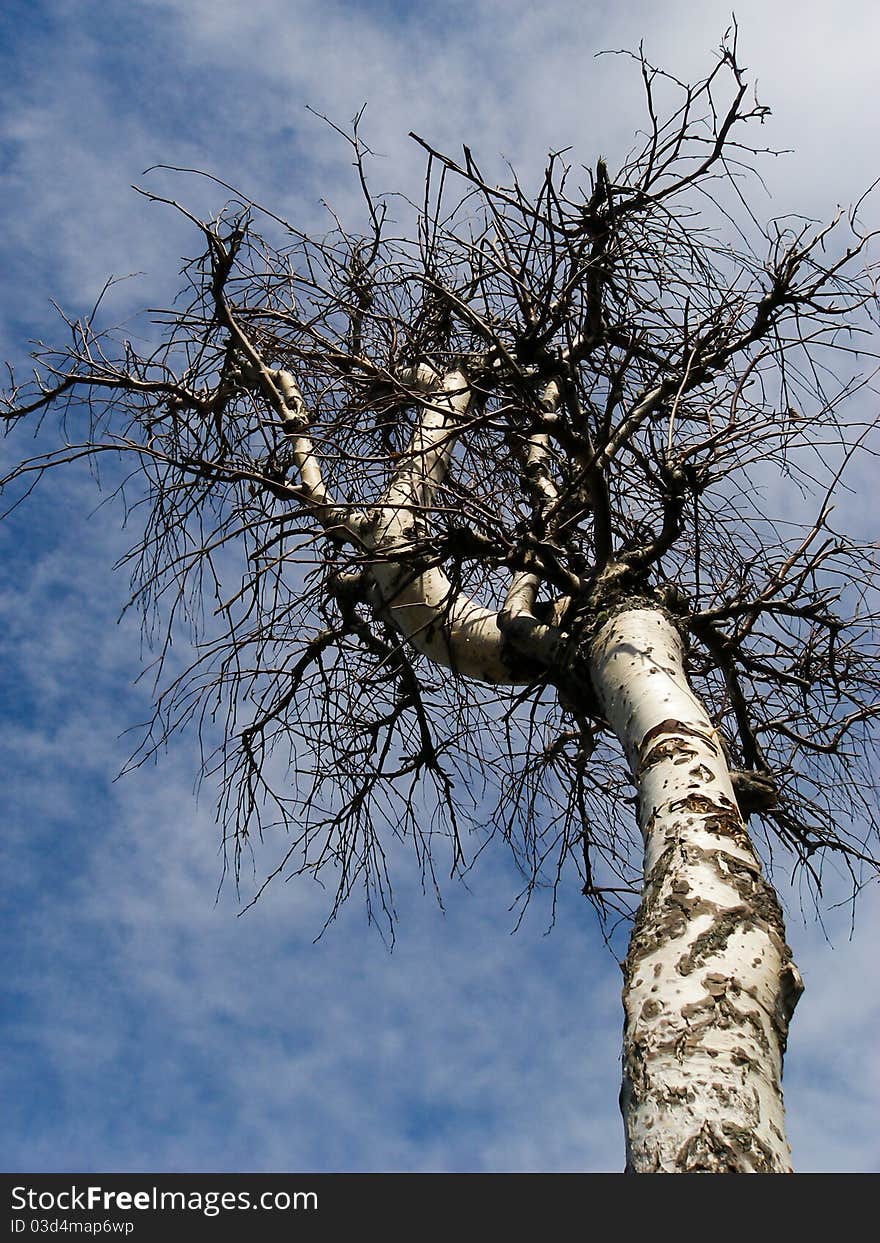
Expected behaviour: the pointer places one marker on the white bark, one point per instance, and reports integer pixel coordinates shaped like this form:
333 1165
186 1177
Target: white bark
709 982
295 421
285 398
443 625
439 621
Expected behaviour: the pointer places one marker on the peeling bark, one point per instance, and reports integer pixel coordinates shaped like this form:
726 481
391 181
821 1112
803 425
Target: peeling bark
709 983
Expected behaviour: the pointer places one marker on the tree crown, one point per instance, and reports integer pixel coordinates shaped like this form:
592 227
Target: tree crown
531 408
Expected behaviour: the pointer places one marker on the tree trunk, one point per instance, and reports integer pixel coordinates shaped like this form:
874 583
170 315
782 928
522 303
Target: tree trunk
709 983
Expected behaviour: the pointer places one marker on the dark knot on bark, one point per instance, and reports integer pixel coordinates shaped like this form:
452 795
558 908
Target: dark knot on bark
755 792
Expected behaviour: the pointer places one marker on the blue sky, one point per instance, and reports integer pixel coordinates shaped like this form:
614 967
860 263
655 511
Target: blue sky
145 1027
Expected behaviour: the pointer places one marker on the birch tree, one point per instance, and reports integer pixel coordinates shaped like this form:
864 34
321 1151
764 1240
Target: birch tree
530 508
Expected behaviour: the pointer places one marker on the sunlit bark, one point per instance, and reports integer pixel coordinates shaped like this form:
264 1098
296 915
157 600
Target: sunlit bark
709 985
